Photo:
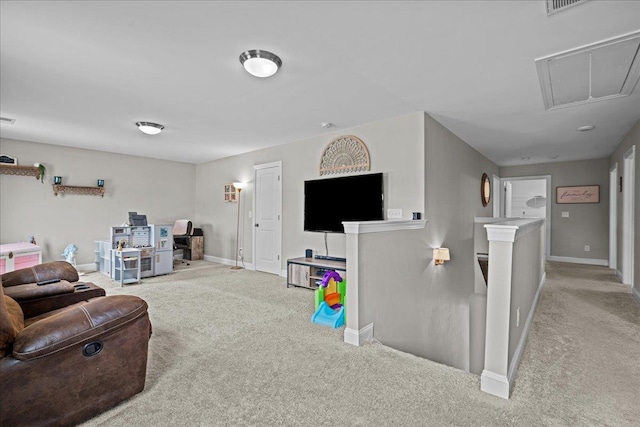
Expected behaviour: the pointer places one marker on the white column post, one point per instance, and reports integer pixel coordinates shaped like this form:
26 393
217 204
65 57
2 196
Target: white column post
494 378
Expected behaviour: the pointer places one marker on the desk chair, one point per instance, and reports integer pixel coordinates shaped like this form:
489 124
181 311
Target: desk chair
182 232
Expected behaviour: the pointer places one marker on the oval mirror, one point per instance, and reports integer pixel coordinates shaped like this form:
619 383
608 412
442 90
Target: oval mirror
485 189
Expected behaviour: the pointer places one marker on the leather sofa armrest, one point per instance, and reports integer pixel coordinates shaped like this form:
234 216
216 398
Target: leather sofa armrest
80 323
32 290
39 273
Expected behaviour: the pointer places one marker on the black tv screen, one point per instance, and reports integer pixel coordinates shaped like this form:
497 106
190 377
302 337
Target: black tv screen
328 202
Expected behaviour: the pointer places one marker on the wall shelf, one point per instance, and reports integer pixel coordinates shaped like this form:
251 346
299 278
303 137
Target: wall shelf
20 170
72 189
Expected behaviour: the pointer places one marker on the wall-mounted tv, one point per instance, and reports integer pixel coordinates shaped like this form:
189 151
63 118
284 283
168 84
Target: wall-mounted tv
328 202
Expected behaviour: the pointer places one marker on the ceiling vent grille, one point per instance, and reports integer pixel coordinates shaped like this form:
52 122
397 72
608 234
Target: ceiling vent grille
555 6
604 70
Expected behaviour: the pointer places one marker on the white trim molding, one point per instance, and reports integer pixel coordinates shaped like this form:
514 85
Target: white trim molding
512 230
636 294
364 335
362 227
86 268
574 260
225 261
495 384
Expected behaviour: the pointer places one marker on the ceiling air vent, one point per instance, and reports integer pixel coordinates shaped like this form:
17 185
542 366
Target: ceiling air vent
555 6
604 70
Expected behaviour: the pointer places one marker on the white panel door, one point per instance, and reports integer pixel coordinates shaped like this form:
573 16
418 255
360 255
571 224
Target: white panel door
268 224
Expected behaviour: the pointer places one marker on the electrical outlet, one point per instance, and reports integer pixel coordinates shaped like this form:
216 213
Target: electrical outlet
518 317
587 248
565 214
394 213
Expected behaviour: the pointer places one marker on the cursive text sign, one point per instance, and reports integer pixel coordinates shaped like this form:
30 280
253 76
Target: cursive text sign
581 194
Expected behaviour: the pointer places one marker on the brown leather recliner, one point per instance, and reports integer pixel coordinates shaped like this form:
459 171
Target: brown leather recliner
64 366
47 287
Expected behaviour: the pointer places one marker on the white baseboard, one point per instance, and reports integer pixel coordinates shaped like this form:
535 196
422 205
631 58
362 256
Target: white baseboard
636 293
515 360
364 335
495 384
588 261
225 261
498 384
86 268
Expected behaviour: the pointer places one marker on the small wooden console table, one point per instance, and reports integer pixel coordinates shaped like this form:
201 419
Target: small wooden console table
305 272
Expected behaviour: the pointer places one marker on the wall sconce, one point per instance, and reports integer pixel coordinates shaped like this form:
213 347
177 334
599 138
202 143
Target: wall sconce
57 180
440 255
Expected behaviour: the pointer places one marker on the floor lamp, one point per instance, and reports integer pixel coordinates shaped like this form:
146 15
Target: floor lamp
239 186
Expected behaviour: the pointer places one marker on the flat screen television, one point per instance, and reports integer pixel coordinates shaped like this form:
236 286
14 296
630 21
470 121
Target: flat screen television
328 202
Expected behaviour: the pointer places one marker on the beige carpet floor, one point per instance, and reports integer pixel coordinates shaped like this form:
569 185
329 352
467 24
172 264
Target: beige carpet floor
235 348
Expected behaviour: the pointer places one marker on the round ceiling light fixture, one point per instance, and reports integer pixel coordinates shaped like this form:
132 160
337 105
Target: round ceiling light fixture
586 128
260 63
150 128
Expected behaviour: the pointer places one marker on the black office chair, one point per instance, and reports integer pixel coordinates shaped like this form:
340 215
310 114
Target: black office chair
182 232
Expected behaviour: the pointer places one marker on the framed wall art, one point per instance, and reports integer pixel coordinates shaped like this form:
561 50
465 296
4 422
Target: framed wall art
229 193
578 194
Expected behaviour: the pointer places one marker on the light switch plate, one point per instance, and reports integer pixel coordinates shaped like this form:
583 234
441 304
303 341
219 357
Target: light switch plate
394 213
565 214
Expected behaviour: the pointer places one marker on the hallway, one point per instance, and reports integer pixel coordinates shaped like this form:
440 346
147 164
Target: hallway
583 349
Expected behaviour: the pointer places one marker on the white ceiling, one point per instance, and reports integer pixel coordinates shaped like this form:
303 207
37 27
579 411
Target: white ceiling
81 73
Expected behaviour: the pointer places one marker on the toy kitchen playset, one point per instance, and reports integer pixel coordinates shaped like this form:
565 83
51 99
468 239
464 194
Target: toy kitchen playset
153 246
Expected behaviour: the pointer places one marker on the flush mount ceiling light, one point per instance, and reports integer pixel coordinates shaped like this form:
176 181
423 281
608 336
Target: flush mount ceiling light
149 128
260 63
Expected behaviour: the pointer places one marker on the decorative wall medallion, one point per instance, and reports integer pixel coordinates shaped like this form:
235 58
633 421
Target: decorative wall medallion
345 154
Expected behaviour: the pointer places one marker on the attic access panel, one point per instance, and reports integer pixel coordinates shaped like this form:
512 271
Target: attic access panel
603 70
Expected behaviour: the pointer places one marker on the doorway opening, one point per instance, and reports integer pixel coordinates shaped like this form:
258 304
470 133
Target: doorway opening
528 197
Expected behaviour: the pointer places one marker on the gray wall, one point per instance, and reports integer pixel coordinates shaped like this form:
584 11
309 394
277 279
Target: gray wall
525 278
395 148
162 190
632 138
588 224
427 169
453 171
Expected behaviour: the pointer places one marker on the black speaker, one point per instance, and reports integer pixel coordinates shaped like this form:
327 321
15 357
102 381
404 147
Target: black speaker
308 253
